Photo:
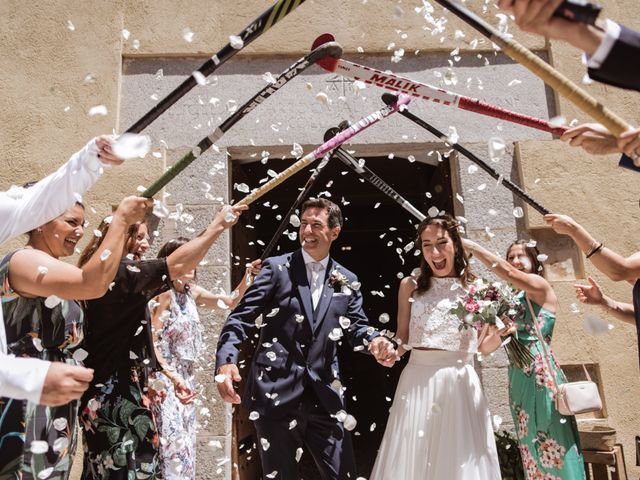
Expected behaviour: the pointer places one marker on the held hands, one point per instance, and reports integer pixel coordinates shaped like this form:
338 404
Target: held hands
225 388
383 351
64 383
597 139
590 294
105 152
183 392
536 16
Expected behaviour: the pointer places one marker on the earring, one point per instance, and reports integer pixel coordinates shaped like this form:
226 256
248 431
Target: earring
39 230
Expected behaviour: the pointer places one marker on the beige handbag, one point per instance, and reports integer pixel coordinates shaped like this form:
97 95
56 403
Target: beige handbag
572 398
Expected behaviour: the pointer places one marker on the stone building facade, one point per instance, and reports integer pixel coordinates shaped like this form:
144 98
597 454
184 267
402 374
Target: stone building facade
66 57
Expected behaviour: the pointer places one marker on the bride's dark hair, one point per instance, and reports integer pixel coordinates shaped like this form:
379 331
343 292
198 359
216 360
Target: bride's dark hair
460 261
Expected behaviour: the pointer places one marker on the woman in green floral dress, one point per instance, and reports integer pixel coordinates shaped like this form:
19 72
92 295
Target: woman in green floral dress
548 441
38 441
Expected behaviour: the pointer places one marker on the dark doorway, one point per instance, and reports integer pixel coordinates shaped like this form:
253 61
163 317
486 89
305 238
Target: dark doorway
371 244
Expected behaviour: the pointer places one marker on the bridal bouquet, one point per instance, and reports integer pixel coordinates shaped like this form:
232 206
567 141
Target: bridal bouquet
495 303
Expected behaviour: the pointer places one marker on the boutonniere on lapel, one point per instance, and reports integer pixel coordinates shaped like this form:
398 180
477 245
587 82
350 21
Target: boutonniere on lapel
339 282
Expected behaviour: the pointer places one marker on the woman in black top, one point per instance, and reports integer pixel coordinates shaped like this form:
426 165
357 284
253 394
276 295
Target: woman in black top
121 440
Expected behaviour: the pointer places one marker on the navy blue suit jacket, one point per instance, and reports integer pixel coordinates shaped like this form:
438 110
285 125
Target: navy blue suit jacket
620 68
294 348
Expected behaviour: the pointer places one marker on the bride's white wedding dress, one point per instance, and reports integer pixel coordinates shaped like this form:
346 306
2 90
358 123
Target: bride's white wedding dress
439 425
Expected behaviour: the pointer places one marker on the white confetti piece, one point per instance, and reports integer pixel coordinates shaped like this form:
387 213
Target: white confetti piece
299 318
187 34
52 301
237 43
131 145
70 25
497 148
273 312
254 415
106 253
292 424
513 83
322 98
345 322
518 212
594 325
265 444
299 452
433 212
542 257
350 422
220 378
126 34
42 270
383 318
335 334
60 444
44 474
80 355
60 423
242 187
199 77
39 446
97 110
269 78
297 150
133 268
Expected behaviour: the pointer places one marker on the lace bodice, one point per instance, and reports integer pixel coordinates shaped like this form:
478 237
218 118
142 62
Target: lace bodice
433 326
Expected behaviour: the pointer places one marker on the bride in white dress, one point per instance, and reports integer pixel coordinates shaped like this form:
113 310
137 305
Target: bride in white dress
439 425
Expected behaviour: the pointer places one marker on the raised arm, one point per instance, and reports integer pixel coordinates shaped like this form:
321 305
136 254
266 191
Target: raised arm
537 288
37 274
186 258
612 264
23 209
205 298
592 295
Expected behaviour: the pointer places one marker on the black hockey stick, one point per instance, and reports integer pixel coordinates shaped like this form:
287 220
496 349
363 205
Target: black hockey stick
519 192
366 173
256 28
301 196
332 50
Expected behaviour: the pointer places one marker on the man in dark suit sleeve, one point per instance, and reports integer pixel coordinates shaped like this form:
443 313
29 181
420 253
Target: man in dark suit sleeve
612 50
302 304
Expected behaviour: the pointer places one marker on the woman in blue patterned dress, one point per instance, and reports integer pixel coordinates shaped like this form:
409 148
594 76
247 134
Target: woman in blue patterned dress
37 441
548 441
178 332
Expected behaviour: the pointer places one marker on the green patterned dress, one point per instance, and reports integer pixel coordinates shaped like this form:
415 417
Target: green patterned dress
38 441
549 443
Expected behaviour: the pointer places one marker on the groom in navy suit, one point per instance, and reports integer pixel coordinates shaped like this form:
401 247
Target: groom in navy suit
308 303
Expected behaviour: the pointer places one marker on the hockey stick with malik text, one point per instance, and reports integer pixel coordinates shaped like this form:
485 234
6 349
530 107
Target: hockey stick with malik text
327 146
256 28
327 52
388 98
398 84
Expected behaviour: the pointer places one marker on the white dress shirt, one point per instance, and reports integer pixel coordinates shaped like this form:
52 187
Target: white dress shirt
22 210
317 285
611 35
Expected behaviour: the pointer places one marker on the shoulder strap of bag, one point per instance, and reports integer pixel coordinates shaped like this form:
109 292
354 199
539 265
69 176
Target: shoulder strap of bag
534 320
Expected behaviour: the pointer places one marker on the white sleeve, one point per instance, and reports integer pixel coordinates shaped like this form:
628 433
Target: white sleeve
22 378
23 209
611 35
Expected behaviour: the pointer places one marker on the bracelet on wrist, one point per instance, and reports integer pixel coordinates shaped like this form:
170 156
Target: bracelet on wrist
595 249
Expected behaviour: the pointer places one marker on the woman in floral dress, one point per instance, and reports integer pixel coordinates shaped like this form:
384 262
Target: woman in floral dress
120 435
548 441
178 331
38 441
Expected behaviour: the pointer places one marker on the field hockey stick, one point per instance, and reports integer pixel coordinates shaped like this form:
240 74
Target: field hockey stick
326 147
256 28
519 192
396 83
540 68
366 173
326 52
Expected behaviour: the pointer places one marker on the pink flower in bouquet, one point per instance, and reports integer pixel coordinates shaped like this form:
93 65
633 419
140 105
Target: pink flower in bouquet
472 307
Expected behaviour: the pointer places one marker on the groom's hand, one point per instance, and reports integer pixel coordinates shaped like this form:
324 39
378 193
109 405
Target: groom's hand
383 351
225 388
